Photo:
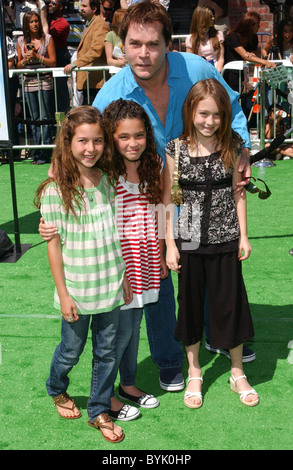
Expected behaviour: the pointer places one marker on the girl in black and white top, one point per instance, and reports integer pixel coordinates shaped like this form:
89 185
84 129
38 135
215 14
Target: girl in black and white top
211 236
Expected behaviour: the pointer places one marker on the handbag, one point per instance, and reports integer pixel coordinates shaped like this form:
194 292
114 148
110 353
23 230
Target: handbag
176 191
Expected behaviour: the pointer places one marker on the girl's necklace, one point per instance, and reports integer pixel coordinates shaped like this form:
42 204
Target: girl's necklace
205 153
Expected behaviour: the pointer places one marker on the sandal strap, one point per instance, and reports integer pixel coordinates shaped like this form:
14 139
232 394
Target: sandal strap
193 394
245 393
188 394
237 378
102 420
62 399
195 378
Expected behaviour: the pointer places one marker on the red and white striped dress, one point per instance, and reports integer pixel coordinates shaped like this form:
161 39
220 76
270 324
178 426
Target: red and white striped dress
137 227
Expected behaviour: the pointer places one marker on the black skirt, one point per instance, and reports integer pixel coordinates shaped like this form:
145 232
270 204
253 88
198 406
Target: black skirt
229 313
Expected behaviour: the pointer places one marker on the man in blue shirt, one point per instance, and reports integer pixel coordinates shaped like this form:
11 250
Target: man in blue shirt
159 81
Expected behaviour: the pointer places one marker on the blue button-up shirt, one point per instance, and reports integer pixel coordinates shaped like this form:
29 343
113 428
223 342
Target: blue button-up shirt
184 71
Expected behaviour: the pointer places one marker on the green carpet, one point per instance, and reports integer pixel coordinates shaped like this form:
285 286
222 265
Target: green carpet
30 330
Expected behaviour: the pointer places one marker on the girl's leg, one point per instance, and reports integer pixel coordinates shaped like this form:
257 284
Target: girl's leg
104 331
194 371
127 349
66 355
237 371
128 364
124 360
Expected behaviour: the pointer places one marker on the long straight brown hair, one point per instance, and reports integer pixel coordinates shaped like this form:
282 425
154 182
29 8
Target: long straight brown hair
201 19
225 136
245 26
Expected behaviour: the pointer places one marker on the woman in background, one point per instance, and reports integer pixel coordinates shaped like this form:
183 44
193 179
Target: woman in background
204 39
113 43
36 50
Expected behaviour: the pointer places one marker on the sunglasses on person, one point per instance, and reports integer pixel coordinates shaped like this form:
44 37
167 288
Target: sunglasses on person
253 189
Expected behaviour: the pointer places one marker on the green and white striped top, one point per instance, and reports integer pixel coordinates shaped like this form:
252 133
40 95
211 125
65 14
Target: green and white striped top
92 257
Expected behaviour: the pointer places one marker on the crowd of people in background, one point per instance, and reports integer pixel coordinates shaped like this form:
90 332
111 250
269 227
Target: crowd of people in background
210 36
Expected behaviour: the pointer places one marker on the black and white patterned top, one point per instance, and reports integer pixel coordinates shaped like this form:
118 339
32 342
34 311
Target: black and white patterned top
208 216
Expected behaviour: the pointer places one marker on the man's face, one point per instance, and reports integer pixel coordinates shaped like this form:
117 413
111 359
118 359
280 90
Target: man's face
145 49
107 8
85 10
53 6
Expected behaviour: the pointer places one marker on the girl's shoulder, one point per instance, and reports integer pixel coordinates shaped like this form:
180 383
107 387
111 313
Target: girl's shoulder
51 189
171 146
106 187
47 39
51 195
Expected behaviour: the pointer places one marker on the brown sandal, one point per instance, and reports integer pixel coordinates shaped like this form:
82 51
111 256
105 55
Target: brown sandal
101 423
61 400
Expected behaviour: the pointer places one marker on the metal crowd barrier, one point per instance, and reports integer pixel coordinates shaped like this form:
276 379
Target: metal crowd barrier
260 98
56 72
27 144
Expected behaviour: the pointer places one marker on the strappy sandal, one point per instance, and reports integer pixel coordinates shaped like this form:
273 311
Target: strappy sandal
103 421
61 401
193 394
245 393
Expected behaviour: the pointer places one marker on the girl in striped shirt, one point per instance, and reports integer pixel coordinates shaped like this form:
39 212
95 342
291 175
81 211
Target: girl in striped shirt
86 262
137 171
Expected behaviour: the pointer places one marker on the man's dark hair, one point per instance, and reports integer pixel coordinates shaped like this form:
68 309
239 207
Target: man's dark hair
147 11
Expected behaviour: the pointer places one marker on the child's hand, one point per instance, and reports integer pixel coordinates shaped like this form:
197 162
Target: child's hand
128 294
172 259
244 168
244 248
68 309
46 231
164 270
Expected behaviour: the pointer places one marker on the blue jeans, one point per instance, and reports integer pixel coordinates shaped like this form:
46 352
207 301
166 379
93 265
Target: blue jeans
160 318
73 339
63 99
127 345
40 106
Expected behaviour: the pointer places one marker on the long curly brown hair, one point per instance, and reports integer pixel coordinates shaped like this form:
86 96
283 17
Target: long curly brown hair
149 169
64 167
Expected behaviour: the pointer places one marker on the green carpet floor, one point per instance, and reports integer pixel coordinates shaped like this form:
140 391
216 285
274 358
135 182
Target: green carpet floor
30 330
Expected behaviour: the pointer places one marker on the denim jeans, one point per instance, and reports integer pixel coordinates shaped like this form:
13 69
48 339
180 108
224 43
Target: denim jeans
40 104
63 100
127 345
73 339
160 318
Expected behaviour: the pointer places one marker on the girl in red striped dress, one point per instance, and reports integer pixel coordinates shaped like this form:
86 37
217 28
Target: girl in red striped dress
138 171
